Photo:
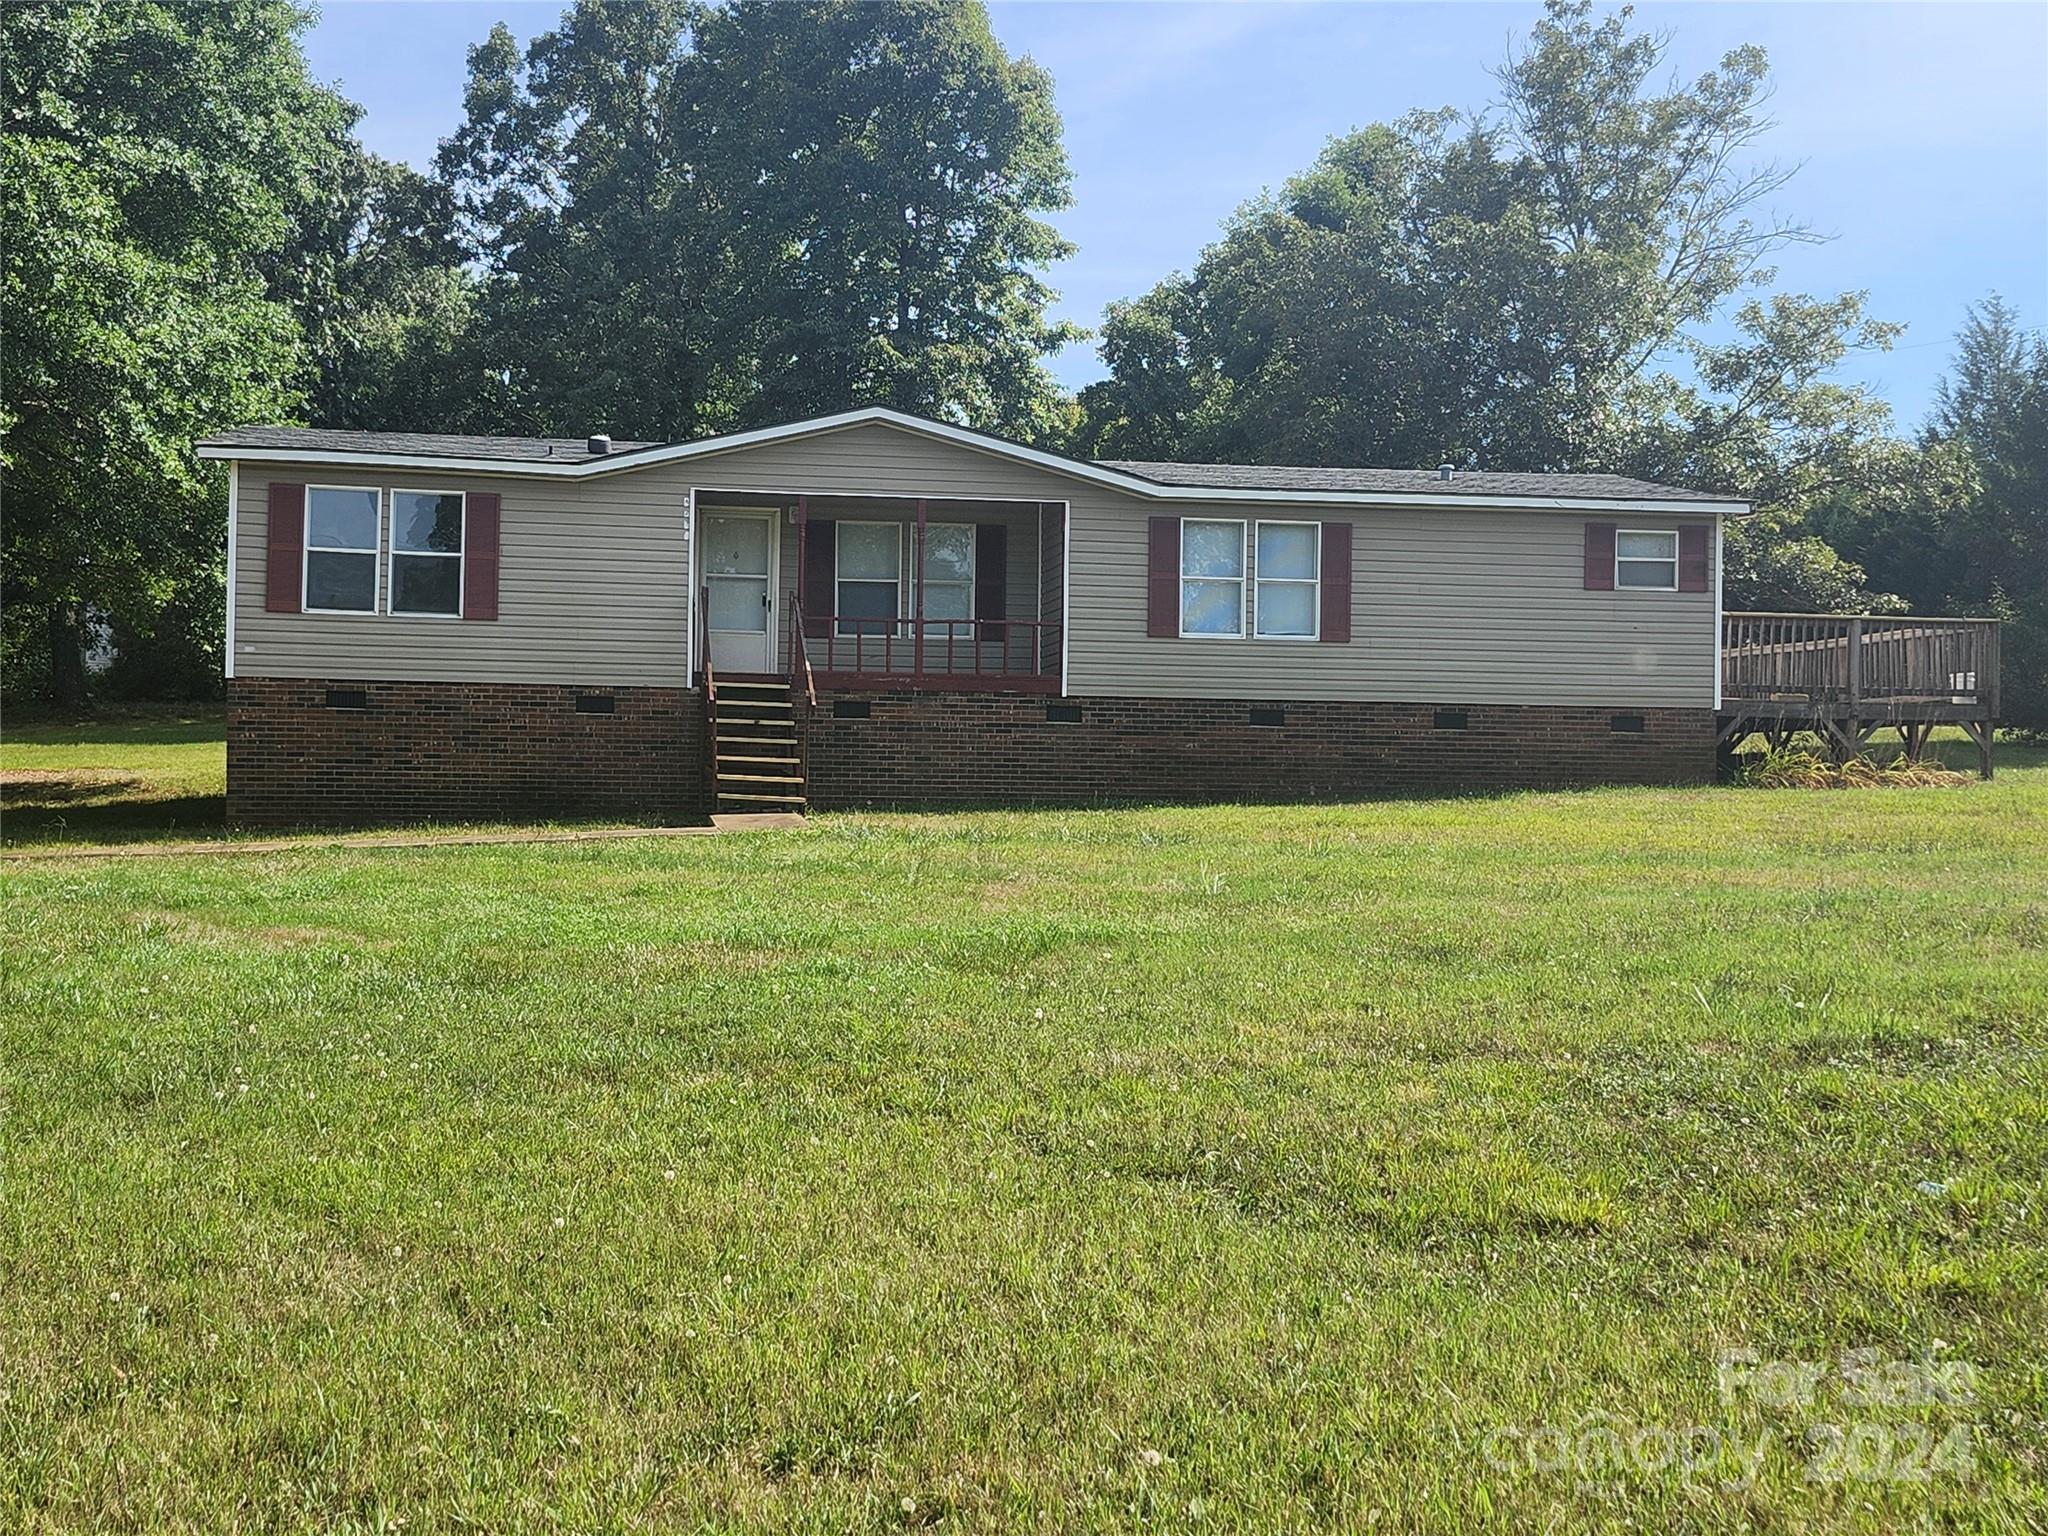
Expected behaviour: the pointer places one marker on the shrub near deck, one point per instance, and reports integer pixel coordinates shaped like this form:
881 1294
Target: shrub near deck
1267 1167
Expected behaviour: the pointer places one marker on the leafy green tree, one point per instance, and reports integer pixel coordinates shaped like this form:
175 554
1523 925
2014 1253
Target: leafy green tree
883 163
1762 415
387 308
578 181
1966 530
692 219
158 159
1490 287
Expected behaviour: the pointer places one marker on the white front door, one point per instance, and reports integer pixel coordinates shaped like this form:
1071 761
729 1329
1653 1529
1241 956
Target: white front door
739 568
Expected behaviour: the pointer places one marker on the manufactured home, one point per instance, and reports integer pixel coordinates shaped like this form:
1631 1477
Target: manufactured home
876 608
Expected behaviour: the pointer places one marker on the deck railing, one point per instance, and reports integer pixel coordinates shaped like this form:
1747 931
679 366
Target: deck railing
948 653
1852 661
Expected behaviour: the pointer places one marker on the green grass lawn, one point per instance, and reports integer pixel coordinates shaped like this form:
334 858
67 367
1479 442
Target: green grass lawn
135 774
1201 1169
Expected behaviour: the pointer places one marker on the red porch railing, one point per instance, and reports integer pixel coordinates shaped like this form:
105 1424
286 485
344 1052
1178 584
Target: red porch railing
849 651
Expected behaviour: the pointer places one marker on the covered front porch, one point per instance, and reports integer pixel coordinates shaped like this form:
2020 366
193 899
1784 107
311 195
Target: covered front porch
880 592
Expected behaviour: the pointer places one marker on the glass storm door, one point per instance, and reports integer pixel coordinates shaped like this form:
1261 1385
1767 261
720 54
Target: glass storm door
739 564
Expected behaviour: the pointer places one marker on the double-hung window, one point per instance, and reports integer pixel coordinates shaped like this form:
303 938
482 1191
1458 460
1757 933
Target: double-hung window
949 574
1646 561
1286 605
426 553
869 577
340 573
1212 579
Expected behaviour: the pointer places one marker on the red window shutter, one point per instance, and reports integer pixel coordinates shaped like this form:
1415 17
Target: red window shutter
1162 579
1336 546
284 575
480 556
991 578
821 563
1599 557
1692 558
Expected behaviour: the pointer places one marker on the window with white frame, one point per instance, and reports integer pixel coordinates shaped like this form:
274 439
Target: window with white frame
340 549
426 553
948 572
1287 602
1211 578
1647 561
868 575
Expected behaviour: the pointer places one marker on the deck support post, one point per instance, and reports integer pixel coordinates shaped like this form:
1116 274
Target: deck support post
1980 731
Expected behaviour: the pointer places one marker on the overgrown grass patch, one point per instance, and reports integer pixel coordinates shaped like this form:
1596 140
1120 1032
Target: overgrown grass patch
1238 1167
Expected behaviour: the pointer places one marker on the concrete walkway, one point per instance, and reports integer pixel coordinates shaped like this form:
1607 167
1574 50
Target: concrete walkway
226 846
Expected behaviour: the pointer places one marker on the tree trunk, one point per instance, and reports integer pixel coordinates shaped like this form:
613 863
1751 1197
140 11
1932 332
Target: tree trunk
67 655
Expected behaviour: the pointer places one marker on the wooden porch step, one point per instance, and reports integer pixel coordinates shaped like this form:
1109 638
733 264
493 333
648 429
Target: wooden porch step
747 821
756 759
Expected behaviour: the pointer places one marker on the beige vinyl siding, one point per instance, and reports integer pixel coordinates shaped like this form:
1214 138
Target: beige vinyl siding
592 588
1450 605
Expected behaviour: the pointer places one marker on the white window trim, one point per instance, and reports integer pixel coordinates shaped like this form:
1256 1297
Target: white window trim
308 549
392 553
839 619
973 567
1662 533
1244 561
1313 583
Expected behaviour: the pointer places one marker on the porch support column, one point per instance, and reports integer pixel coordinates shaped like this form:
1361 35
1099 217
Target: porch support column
801 626
803 520
917 589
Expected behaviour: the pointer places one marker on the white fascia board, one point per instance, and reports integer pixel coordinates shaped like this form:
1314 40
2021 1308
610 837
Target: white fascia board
1052 463
234 536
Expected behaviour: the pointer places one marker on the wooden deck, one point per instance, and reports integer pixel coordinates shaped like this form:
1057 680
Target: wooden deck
1847 678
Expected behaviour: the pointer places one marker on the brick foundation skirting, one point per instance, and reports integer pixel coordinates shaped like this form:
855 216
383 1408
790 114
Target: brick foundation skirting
1001 749
341 752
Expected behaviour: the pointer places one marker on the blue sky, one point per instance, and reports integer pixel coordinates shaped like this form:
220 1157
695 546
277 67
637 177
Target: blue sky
1922 129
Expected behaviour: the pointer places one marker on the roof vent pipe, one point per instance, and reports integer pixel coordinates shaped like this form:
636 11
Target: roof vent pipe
1446 471
598 444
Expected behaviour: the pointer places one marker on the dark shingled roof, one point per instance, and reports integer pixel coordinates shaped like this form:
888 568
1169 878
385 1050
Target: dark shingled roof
1421 483
1405 482
420 445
